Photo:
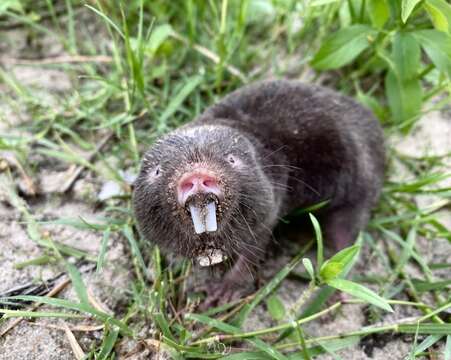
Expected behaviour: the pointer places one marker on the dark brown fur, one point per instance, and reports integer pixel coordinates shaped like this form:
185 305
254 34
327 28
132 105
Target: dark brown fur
300 144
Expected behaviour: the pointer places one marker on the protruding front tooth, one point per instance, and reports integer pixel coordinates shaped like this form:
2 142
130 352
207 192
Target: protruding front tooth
210 217
198 220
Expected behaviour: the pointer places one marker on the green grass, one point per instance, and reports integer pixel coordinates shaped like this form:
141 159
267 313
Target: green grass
149 66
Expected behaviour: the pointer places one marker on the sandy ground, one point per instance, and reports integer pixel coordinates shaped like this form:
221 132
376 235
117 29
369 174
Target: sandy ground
37 341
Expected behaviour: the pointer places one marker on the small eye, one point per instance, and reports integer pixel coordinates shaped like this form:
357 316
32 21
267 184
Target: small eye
234 161
155 172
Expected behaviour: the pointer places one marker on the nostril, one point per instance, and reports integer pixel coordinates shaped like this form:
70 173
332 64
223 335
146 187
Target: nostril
209 183
197 182
187 186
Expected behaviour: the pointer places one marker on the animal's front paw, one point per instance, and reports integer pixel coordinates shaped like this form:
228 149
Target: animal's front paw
221 293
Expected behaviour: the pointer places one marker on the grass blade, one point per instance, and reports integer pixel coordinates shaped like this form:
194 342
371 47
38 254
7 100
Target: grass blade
272 352
103 250
361 292
78 284
106 318
38 314
319 241
448 348
178 99
108 344
429 329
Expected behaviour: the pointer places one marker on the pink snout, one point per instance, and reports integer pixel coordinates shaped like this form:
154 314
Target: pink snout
197 182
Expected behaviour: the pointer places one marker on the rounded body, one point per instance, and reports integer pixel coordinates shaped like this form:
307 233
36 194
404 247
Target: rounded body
263 150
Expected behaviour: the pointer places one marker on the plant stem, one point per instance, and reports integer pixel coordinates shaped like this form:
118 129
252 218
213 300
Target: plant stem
303 298
268 330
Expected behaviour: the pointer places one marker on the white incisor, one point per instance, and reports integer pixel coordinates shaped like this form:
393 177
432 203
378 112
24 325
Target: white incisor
204 218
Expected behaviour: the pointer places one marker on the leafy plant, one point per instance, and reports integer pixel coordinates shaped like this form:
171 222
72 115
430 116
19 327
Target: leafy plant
407 42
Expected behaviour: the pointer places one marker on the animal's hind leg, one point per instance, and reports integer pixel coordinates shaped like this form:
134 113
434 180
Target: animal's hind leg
341 226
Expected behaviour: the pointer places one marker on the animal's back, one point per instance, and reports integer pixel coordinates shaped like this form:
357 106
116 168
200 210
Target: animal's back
332 146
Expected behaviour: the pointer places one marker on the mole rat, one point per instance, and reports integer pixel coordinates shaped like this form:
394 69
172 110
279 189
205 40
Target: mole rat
215 188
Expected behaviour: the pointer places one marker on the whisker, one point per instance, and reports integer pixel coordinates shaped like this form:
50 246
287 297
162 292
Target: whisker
281 186
246 262
306 184
283 166
273 152
255 213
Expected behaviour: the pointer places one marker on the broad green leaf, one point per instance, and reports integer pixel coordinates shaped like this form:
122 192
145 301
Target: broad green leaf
309 267
395 8
10 4
437 46
407 7
361 292
406 55
325 292
275 307
440 13
331 270
379 12
404 97
438 18
346 255
334 267
158 36
342 47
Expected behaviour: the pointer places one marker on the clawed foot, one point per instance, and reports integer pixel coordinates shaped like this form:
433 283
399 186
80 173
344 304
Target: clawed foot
220 294
236 283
